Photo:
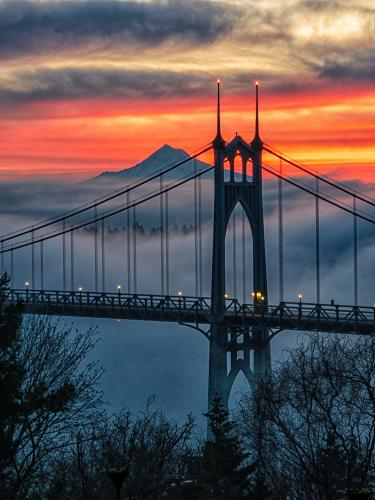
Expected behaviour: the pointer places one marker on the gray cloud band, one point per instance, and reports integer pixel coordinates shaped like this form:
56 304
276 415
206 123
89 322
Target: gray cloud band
86 83
30 27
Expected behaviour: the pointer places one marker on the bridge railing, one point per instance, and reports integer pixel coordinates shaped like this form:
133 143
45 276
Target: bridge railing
180 308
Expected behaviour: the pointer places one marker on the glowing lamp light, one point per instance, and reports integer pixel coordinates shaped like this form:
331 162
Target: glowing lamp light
257 83
118 287
80 289
225 295
218 80
253 294
300 296
259 295
179 294
27 284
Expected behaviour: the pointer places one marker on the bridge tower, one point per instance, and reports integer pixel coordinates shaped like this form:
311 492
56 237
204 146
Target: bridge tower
230 349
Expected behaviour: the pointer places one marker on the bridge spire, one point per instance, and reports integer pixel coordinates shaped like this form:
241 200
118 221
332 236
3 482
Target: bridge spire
218 142
257 141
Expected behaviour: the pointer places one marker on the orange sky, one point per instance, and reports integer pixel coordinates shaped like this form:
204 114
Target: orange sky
90 102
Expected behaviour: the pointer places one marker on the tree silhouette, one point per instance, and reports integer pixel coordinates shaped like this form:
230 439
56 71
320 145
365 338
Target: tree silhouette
45 393
226 471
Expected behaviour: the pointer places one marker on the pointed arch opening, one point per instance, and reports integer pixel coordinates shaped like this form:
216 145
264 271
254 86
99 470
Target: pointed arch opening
239 256
240 387
249 170
238 165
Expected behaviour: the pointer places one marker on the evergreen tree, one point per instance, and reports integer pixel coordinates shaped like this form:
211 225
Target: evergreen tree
226 472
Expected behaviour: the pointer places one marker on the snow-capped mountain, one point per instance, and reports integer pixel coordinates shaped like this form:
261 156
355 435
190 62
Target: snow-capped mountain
160 159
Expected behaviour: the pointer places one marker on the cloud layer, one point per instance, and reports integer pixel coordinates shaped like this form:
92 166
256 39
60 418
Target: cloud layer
80 72
35 28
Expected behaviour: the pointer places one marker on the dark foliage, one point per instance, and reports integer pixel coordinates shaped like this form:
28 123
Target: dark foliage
149 448
45 394
312 422
221 469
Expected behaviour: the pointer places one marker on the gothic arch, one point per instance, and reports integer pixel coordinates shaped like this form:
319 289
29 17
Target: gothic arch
239 201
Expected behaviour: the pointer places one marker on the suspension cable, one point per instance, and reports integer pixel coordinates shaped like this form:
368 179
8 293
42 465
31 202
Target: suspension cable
108 214
33 277
196 277
301 184
167 241
103 254
161 200
41 265
243 258
123 242
96 273
72 261
116 194
2 258
342 187
64 255
355 252
11 269
327 198
281 234
128 242
317 241
134 251
200 267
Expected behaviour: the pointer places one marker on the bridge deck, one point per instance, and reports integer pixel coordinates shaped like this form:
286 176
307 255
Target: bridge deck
197 310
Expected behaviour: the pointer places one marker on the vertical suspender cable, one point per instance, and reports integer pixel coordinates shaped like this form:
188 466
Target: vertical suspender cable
134 251
123 242
243 258
103 255
161 200
96 276
64 255
195 231
11 268
128 236
72 260
167 241
355 251
33 277
234 256
317 241
41 265
2 257
281 235
200 263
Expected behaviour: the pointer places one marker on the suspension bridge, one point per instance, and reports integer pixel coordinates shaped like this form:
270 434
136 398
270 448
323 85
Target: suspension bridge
239 328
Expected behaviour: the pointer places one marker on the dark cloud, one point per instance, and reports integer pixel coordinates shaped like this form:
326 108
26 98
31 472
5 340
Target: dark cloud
93 83
29 28
360 66
106 83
